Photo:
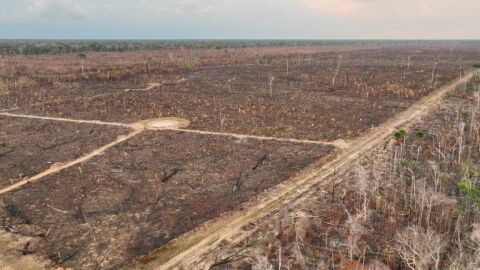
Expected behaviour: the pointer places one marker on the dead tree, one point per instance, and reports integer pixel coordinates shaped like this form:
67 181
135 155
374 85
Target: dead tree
288 69
336 71
460 140
408 67
433 73
355 232
475 82
419 250
82 56
271 85
363 186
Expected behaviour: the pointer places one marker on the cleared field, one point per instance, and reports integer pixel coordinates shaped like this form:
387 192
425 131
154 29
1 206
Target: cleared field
30 146
147 191
301 103
256 119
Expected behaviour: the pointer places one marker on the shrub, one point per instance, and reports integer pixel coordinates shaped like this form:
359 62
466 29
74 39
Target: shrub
465 116
420 135
470 193
467 186
476 65
411 164
400 135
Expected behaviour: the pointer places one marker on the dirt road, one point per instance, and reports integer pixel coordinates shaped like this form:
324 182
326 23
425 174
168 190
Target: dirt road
77 121
193 250
338 143
58 167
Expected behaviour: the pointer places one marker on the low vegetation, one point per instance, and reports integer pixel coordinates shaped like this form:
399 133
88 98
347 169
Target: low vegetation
40 47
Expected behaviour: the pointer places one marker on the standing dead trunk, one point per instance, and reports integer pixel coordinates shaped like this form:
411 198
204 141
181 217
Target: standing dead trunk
271 86
336 71
433 73
288 69
460 141
83 68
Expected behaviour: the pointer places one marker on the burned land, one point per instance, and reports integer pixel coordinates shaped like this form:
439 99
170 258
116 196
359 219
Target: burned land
257 118
29 147
410 203
147 191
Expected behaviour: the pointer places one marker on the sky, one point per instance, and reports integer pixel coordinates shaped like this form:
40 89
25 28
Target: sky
239 19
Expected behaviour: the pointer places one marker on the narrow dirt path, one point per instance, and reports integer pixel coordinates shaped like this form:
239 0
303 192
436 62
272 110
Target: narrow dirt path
150 86
190 251
78 121
339 143
58 167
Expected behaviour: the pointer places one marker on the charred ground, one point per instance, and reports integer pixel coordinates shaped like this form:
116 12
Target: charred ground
140 194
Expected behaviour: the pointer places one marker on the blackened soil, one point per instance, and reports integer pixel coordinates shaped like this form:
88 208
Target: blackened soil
145 192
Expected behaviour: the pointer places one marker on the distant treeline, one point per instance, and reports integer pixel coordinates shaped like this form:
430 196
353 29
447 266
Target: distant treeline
37 47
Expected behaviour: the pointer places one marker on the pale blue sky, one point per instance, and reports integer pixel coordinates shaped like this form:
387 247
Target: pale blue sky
240 19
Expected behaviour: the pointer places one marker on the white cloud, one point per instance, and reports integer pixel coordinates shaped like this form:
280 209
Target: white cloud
67 9
243 18
335 7
180 6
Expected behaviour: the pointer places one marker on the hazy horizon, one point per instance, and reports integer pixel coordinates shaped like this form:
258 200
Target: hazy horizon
240 19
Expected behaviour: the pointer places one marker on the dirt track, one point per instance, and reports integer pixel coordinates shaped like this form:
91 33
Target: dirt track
58 167
94 122
337 143
193 250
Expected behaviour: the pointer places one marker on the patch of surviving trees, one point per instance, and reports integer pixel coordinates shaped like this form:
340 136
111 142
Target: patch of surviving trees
40 47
